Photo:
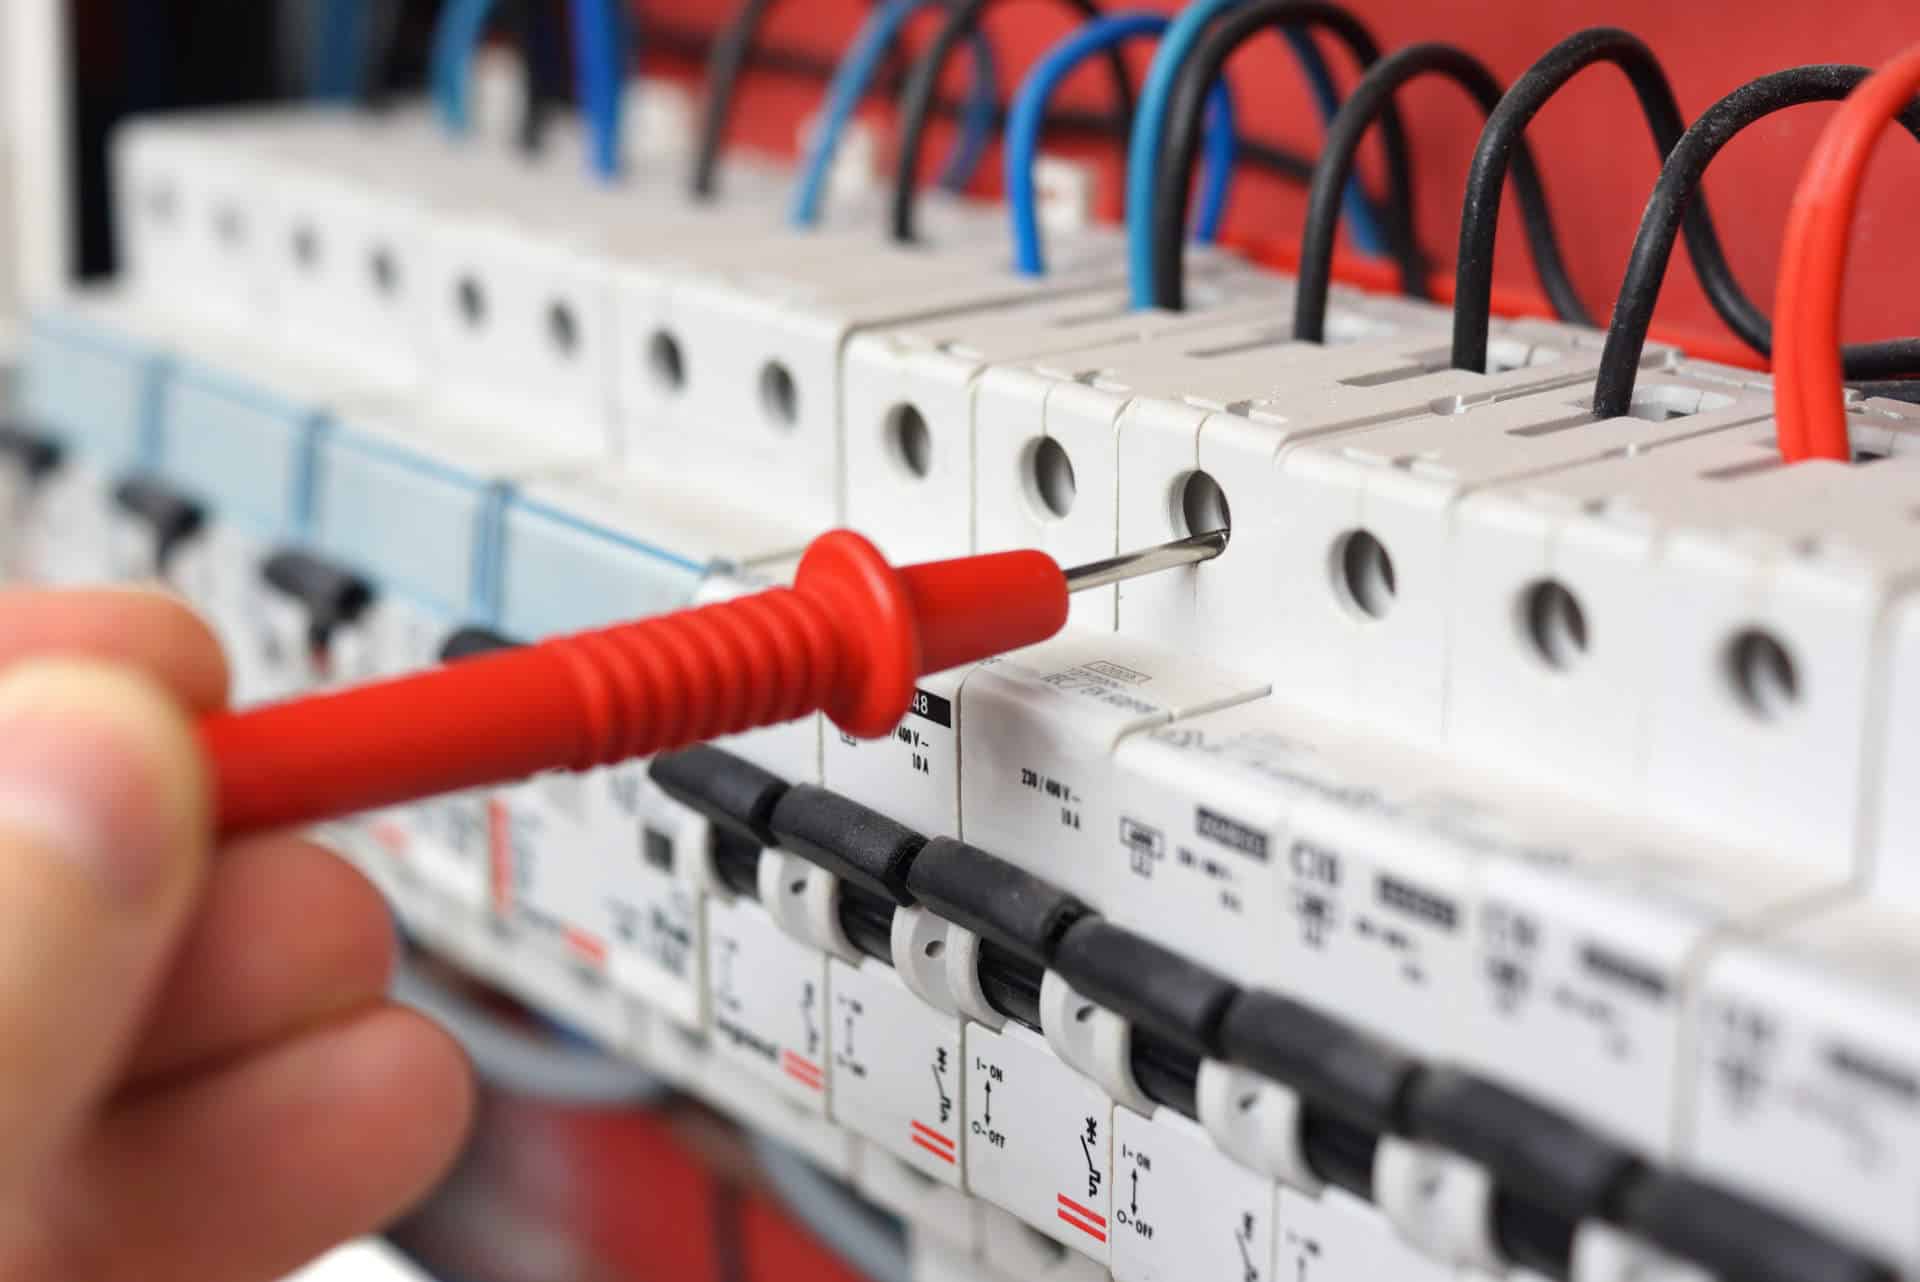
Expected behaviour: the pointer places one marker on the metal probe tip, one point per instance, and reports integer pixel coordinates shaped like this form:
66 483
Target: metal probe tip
1191 550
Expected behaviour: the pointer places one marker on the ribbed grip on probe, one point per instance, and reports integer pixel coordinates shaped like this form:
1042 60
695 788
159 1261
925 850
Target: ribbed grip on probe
850 638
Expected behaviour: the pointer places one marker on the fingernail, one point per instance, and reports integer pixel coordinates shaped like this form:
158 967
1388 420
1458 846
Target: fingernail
90 771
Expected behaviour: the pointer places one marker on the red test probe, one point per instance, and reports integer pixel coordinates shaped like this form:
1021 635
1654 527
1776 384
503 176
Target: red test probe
849 638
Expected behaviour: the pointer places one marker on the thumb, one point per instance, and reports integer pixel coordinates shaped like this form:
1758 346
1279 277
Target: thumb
104 835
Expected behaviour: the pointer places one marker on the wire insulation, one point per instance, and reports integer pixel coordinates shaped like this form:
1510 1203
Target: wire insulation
1480 214
1029 110
1365 105
1172 183
1808 401
876 39
600 61
1680 179
923 87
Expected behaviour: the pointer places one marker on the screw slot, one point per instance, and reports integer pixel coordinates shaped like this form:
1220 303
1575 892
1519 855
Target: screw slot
563 329
230 227
1764 677
472 300
1363 574
910 440
1050 483
385 271
666 362
1203 506
306 246
1555 624
779 397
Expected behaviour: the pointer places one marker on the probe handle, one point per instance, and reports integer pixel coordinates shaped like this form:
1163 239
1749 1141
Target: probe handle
850 638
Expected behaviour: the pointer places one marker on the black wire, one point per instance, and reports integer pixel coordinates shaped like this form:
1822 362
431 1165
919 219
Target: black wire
1186 120
545 64
1892 389
916 102
1679 183
1480 215
732 48
1374 91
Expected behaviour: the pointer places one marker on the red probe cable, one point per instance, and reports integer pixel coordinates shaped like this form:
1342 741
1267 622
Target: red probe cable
849 638
1809 403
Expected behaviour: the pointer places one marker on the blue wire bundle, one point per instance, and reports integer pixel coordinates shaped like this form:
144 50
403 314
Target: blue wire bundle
1149 132
851 80
1029 110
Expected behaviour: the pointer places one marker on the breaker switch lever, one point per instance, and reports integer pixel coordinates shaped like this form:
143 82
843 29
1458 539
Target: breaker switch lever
850 638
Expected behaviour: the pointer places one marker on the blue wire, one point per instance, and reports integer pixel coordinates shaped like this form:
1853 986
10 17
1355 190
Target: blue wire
1150 126
338 63
600 56
850 80
1028 113
463 23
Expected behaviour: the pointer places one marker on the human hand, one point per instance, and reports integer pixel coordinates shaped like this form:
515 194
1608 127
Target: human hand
199 1075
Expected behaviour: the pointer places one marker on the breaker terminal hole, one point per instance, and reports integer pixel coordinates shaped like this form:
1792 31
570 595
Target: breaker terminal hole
1363 574
1556 625
1084 1015
563 329
384 270
910 441
934 948
230 227
471 297
779 396
162 204
306 246
798 886
1050 484
666 363
1763 675
1203 505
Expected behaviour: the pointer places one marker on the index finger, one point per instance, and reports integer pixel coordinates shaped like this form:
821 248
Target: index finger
142 628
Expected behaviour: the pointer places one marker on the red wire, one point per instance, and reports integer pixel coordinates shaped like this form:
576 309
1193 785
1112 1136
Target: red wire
1809 403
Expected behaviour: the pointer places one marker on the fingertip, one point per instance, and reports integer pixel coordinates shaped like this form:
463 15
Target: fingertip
141 626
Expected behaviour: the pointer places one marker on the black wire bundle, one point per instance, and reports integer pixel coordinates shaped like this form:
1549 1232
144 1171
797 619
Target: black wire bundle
534 30
732 49
1674 194
1173 180
1480 215
923 85
1369 99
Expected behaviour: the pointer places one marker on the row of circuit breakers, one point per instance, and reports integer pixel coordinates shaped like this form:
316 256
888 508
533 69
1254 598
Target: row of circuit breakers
1502 862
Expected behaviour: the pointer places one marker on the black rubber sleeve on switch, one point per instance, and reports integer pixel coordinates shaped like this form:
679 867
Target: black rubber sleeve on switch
853 842
331 595
866 919
1153 987
736 795
1165 1071
995 900
1531 1151
34 454
471 643
1733 1238
1011 984
170 516
1333 1067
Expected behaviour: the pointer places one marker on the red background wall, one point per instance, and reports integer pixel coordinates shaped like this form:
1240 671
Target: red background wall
1598 158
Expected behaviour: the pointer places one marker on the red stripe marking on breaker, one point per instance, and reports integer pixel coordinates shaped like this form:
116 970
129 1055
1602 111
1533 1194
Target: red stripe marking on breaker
934 1142
803 1070
1092 1223
500 854
585 946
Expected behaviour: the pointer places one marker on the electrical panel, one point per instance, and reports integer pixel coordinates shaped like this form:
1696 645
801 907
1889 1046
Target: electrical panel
1495 865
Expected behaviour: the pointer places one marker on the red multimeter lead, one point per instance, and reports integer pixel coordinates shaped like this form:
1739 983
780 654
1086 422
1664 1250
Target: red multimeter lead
849 638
